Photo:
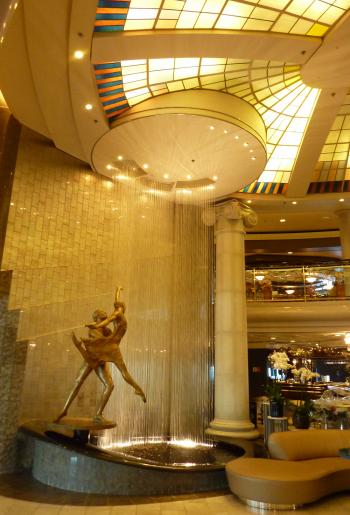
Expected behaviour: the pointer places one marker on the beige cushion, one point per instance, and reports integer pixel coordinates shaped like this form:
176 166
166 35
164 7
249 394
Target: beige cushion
306 444
287 482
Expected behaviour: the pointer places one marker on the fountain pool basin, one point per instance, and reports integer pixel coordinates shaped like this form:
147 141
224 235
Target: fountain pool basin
142 469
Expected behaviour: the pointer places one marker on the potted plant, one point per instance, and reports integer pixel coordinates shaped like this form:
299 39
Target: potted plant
301 415
273 390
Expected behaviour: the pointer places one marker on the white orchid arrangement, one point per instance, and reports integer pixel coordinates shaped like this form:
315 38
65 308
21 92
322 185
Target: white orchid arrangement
304 373
279 360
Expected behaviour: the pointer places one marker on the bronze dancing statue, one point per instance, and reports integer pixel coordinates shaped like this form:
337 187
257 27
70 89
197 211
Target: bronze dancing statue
99 349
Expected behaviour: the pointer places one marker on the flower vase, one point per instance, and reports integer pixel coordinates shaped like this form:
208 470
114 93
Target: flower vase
301 421
276 409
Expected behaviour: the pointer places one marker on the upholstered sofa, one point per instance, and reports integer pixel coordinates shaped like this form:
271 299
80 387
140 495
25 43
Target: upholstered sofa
305 465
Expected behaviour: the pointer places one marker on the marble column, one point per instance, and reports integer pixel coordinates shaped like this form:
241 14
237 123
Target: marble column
12 366
12 353
344 228
9 138
231 346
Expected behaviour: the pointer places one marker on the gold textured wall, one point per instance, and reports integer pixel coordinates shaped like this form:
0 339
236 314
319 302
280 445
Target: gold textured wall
72 236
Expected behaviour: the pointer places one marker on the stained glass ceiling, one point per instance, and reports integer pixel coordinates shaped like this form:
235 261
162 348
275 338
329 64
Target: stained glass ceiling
333 166
274 89
302 17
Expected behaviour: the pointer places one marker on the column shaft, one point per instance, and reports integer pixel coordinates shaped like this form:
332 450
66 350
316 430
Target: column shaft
231 349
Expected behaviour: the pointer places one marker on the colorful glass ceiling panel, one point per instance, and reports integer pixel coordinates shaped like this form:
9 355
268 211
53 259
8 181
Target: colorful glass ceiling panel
303 17
274 89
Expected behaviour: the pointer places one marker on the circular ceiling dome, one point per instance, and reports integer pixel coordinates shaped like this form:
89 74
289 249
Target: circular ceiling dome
187 142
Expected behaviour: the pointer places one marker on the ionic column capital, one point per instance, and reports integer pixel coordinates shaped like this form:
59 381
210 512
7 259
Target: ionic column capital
231 210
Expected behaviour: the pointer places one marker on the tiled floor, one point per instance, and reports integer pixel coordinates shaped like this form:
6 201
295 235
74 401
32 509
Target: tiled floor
22 495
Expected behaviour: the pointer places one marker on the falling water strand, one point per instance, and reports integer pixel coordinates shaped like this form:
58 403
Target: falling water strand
161 257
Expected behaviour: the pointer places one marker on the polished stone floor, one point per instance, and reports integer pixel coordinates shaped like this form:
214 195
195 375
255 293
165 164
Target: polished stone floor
22 495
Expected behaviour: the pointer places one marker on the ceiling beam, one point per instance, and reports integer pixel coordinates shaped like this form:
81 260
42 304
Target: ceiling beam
329 67
156 44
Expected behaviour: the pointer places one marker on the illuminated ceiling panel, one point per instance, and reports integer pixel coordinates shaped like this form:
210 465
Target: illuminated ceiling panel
302 17
334 160
274 89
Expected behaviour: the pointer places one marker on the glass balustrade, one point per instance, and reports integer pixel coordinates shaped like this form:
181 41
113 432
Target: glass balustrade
306 283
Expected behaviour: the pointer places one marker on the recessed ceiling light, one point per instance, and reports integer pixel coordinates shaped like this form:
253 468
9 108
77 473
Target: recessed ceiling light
282 220
212 127
120 158
249 201
341 200
88 107
290 252
145 166
253 158
109 167
294 202
166 176
272 337
78 54
245 144
189 176
236 137
225 131
215 177
251 150
292 341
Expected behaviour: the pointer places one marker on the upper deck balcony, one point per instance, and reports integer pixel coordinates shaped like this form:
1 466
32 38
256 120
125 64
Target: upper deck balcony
305 298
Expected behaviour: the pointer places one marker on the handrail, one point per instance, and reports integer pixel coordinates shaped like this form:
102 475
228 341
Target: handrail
303 283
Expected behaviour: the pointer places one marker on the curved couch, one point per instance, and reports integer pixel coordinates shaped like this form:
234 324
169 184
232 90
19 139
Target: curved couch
305 466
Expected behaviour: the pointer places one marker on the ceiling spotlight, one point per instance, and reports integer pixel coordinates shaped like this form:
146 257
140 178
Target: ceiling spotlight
282 220
272 337
236 137
249 201
88 107
290 252
212 127
294 202
341 200
189 176
109 167
253 158
215 177
166 176
245 144
251 150
78 54
292 341
120 158
145 166
225 131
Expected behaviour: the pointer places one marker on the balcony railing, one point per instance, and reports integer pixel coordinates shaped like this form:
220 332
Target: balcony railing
306 283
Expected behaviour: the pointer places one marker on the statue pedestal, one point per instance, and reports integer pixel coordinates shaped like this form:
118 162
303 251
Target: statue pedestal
81 427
